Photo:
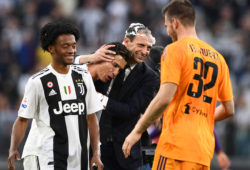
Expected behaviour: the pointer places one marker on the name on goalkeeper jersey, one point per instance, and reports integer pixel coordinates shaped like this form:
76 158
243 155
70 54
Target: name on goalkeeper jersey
72 109
203 51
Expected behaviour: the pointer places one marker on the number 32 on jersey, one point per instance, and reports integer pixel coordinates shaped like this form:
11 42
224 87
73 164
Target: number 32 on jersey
203 68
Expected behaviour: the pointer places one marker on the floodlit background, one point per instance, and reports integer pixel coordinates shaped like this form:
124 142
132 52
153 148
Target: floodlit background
225 24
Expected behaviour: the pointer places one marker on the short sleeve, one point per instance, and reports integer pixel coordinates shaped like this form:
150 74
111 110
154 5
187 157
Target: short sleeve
225 86
29 102
77 60
170 65
92 100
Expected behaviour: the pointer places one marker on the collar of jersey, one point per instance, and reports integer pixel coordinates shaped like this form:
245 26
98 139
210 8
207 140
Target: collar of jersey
59 74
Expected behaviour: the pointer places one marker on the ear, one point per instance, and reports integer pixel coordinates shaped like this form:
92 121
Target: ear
51 49
175 22
126 41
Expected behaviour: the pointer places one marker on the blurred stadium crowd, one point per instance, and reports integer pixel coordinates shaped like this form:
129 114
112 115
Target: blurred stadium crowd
225 24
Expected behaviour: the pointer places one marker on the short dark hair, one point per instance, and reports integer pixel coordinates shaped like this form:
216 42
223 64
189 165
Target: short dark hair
120 49
154 58
52 30
182 10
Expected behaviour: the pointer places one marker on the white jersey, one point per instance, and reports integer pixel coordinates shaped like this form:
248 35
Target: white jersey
58 105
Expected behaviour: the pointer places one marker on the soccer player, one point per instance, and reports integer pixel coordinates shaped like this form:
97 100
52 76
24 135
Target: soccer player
105 65
153 60
193 77
60 100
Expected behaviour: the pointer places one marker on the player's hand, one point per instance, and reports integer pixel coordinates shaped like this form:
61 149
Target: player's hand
97 161
129 142
223 160
102 54
11 159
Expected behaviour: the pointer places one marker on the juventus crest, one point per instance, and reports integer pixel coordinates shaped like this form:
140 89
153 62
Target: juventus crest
80 85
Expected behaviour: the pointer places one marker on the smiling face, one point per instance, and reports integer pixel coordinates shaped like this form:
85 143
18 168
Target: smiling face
108 70
64 50
139 47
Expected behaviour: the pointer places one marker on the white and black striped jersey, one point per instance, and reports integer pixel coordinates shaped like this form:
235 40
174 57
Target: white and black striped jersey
59 104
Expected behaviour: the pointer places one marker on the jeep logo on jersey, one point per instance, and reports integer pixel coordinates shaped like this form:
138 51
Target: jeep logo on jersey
67 108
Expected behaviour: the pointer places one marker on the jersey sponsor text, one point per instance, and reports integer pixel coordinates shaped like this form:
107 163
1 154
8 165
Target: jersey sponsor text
69 108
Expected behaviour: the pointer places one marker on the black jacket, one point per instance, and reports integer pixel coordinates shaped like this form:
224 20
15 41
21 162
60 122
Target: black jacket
134 97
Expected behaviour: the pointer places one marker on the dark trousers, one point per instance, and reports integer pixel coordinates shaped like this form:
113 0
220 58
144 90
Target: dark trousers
108 158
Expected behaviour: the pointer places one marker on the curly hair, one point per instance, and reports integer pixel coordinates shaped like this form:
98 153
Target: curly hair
120 49
52 30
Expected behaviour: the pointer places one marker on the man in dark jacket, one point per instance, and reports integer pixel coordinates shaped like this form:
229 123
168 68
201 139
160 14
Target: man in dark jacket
125 98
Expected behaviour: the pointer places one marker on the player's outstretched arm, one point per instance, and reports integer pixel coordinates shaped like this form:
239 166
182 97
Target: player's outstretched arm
94 141
18 132
224 110
154 110
102 54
